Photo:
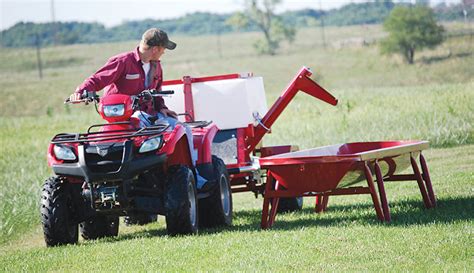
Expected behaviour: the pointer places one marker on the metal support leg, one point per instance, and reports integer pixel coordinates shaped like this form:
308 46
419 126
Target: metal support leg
274 208
426 177
318 204
321 203
266 202
325 202
421 185
373 193
383 195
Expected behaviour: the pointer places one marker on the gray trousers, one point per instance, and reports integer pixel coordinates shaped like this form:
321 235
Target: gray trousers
144 122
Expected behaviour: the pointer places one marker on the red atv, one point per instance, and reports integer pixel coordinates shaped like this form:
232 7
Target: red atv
123 169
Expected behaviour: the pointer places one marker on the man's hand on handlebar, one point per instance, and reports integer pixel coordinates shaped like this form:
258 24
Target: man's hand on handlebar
169 113
85 96
147 94
74 98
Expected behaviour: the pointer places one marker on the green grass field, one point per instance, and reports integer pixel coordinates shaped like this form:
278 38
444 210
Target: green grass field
380 98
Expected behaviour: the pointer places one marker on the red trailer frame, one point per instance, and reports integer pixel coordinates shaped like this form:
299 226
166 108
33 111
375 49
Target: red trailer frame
275 160
245 174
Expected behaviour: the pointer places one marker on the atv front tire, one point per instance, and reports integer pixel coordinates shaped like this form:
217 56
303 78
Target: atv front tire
57 210
181 202
99 226
216 210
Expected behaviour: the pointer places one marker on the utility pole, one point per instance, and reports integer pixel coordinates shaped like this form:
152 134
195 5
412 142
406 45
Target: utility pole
219 46
467 10
38 57
53 19
322 24
55 26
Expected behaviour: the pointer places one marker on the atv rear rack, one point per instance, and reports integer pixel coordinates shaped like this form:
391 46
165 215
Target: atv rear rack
110 135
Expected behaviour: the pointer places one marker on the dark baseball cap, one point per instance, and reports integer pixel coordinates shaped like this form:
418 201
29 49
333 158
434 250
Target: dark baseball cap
157 37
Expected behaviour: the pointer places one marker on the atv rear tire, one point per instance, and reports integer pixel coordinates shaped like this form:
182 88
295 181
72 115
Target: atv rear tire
99 226
57 210
181 202
140 219
216 210
290 204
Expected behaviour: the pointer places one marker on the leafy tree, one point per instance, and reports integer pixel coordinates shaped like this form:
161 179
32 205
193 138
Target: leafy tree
359 13
261 13
410 29
24 34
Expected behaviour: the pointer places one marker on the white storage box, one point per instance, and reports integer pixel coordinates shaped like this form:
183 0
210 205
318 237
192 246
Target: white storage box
228 103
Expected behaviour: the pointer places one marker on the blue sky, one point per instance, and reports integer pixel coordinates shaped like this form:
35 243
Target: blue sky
113 12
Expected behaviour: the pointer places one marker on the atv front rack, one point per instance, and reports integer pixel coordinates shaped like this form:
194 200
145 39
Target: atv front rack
109 135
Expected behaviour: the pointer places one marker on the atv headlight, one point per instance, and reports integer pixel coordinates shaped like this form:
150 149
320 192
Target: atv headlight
64 152
150 144
115 110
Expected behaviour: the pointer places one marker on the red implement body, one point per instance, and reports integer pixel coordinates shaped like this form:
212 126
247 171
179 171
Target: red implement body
332 170
319 172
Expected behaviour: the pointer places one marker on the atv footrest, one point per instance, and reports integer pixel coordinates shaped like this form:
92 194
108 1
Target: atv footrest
198 124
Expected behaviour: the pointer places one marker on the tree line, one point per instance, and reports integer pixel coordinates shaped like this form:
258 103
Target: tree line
25 34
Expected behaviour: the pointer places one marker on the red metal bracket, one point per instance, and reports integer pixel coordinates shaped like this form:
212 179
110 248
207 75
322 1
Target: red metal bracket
188 98
301 82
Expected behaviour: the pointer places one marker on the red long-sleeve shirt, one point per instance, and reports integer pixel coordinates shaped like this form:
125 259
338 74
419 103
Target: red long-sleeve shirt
123 74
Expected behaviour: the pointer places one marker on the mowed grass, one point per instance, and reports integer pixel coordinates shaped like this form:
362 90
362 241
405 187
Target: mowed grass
380 98
346 237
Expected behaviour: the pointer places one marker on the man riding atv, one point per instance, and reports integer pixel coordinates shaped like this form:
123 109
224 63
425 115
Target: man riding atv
143 162
130 73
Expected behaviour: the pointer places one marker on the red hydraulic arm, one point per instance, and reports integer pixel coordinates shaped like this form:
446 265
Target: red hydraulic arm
301 82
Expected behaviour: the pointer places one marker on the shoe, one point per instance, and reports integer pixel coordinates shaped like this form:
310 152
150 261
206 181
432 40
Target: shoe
208 186
201 181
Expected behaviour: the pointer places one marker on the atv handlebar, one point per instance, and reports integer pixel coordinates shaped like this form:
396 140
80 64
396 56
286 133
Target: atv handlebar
86 97
154 93
148 95
91 96
164 92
